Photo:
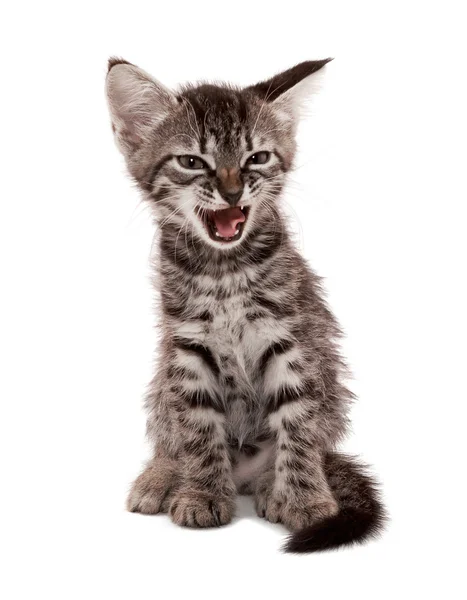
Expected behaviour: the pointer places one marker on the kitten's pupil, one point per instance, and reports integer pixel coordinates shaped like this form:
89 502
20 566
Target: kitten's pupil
191 161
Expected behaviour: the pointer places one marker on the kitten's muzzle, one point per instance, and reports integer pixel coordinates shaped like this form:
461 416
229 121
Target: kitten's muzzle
230 185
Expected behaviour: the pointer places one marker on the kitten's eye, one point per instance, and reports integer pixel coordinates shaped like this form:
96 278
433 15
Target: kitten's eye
191 162
259 158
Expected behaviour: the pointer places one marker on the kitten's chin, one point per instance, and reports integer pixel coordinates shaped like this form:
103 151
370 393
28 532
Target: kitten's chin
224 227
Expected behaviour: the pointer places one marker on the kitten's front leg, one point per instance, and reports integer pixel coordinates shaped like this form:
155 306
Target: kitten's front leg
206 497
294 491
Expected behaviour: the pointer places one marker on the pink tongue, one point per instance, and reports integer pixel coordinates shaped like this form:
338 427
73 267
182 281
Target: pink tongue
227 220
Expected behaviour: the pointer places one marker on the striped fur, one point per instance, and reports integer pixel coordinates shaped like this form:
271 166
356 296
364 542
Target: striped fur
248 395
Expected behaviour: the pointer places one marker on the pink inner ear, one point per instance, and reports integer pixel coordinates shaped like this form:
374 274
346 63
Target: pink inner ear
137 102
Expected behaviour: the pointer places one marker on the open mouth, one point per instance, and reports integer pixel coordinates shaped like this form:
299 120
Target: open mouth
225 225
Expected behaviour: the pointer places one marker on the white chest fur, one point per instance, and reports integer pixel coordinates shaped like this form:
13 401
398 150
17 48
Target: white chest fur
236 342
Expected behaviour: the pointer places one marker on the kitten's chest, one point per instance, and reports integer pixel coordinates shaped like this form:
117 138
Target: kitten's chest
234 335
239 330
238 342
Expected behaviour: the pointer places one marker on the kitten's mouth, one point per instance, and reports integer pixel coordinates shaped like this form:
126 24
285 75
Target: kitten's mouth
225 225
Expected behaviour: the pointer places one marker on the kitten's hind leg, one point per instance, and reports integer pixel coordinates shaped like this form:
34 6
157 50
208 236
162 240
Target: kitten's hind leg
295 491
152 491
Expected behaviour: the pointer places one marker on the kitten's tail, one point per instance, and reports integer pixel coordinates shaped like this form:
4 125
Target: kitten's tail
361 514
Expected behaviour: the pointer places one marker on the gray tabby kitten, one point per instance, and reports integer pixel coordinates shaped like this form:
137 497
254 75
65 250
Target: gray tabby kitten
248 396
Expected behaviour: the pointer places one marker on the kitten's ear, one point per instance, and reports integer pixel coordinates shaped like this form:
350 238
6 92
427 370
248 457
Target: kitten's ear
137 103
290 89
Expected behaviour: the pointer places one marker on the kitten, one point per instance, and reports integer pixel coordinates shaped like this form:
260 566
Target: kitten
248 395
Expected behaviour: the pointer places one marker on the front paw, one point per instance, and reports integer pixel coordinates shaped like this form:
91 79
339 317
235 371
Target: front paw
294 512
191 508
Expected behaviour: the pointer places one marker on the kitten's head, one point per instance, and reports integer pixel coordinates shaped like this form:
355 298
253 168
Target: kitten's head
211 158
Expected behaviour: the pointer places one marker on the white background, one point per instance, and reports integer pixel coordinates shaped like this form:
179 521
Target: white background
379 194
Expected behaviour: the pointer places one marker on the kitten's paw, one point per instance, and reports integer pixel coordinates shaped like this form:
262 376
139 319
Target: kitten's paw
294 513
300 514
200 509
152 491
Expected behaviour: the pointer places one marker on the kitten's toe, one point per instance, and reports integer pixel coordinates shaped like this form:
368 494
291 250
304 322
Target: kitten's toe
294 513
146 502
200 509
299 515
152 491
268 506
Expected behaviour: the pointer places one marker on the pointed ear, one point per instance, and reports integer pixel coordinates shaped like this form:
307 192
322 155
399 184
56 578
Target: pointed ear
290 90
137 103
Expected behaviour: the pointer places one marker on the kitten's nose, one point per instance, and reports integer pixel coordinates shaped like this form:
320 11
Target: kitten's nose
230 185
232 197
